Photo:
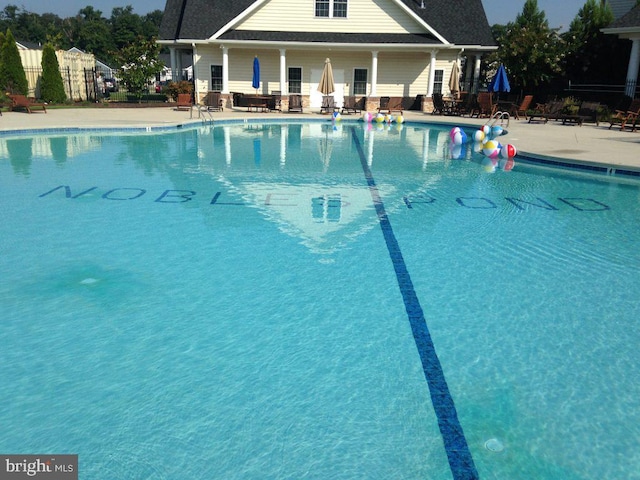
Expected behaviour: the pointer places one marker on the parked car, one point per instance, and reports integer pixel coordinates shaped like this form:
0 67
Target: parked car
160 86
110 85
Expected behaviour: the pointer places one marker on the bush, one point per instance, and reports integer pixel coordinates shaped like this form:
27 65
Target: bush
12 76
174 88
51 86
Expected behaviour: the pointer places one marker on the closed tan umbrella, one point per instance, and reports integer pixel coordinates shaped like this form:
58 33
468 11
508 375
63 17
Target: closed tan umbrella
326 85
454 80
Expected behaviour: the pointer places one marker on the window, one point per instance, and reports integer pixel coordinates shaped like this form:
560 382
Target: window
360 81
216 78
322 8
331 8
295 80
340 8
437 81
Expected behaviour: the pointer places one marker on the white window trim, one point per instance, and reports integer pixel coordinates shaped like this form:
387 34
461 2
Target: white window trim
330 10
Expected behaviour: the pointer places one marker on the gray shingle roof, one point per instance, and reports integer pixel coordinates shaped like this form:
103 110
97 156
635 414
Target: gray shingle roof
466 24
322 37
629 20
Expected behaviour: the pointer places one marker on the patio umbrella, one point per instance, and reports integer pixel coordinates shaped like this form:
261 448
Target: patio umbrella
454 80
500 82
326 85
255 82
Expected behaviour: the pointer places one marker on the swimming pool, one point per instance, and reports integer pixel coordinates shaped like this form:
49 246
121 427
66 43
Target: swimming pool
304 300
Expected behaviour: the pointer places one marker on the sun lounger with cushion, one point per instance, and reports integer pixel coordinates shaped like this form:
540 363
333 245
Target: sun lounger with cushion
588 111
547 111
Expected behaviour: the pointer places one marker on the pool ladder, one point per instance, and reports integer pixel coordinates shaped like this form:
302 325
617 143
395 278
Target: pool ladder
205 114
499 116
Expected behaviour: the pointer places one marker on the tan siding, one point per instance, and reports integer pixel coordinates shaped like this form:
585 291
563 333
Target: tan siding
399 74
287 16
403 74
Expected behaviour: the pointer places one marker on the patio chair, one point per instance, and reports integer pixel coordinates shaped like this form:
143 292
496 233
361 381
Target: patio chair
295 103
351 105
184 101
275 103
438 104
392 104
627 118
328 104
485 107
22 102
213 102
517 110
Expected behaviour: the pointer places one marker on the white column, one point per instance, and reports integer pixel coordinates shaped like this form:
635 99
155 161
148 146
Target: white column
476 74
194 65
225 69
632 69
374 73
432 72
174 64
283 71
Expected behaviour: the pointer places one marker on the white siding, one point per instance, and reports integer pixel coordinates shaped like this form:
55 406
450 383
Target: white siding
299 15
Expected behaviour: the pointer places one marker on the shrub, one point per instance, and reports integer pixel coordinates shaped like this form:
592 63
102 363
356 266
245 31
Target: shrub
174 88
51 86
12 76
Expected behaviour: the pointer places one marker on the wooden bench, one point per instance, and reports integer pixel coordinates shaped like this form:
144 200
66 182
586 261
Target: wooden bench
20 101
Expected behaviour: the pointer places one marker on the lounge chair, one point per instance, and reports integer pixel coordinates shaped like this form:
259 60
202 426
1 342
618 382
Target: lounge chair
588 111
22 102
485 107
627 118
438 104
516 110
295 103
390 105
328 104
351 105
184 101
213 102
546 111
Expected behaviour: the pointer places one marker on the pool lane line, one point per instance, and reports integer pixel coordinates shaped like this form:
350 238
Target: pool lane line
455 444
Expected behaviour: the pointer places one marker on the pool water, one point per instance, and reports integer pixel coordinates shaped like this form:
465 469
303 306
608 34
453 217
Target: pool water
308 300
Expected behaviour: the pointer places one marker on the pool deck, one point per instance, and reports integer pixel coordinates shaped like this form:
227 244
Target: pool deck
586 144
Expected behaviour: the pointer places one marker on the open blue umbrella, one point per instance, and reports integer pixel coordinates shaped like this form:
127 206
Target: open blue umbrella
500 82
255 82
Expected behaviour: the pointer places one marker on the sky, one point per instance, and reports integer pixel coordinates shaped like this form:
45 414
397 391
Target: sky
558 12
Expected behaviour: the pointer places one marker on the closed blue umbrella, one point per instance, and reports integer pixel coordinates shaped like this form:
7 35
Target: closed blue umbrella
255 82
500 82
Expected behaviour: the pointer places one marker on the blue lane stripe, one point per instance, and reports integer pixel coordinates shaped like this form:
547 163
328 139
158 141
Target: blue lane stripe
455 443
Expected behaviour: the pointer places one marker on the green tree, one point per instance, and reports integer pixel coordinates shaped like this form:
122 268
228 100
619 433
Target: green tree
139 64
91 32
12 75
592 56
51 86
126 26
529 49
